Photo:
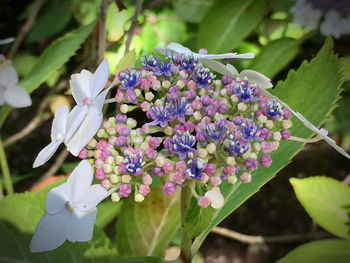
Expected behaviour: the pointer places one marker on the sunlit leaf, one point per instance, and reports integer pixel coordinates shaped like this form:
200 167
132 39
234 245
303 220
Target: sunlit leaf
323 251
275 56
192 11
227 23
325 199
146 228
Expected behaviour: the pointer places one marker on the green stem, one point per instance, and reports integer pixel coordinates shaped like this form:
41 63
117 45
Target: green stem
5 170
185 254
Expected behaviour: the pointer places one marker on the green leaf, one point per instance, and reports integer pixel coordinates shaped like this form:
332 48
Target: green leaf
197 218
163 29
138 260
227 23
107 211
19 215
24 63
56 16
319 79
323 251
146 228
53 58
192 11
275 56
345 64
325 200
116 22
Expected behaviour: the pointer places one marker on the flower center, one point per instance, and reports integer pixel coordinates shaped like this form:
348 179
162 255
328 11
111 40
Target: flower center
69 206
87 101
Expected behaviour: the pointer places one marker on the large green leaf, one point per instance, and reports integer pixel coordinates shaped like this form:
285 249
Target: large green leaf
19 215
138 260
51 60
145 229
275 56
325 199
312 90
227 23
192 11
324 251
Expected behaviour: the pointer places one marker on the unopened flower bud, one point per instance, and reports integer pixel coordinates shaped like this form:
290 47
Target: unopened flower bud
147 179
211 148
232 179
139 197
107 168
277 136
286 124
169 188
115 197
262 119
269 124
114 178
246 177
149 96
203 202
126 179
131 123
231 161
124 108
242 106
160 160
202 153
266 160
197 115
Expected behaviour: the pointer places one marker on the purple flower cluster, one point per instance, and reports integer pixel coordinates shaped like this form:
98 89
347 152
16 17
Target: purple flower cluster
195 128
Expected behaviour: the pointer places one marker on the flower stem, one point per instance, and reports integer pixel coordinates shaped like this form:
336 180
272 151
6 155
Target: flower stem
5 170
185 254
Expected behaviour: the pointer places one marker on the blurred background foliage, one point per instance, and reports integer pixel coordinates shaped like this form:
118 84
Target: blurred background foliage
64 39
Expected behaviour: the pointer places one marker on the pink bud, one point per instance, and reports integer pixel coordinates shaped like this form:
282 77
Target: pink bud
106 184
204 202
196 104
99 163
83 153
210 169
168 167
147 179
145 128
215 180
169 188
144 189
153 143
266 147
100 175
151 153
181 166
124 190
119 96
246 177
145 106
178 177
265 160
229 170
191 84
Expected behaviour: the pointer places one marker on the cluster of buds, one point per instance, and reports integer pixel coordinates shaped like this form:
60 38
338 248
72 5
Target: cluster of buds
196 130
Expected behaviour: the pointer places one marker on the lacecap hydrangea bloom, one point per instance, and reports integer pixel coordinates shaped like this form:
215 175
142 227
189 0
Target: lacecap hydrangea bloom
180 123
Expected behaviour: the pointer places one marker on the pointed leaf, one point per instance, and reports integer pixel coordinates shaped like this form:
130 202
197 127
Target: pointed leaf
275 56
227 23
325 199
146 228
323 251
319 79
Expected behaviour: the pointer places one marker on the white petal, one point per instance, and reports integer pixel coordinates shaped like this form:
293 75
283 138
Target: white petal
59 123
56 199
50 232
224 55
76 117
92 198
262 81
46 153
232 70
85 132
329 140
216 66
175 49
79 181
81 86
99 79
17 97
215 197
100 100
81 226
8 76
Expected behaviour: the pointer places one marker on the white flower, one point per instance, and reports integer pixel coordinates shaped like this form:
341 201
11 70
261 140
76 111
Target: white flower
263 83
70 211
335 25
305 15
10 92
86 117
58 134
215 197
205 59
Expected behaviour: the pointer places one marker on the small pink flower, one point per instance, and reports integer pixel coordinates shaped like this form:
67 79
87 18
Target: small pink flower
151 153
246 177
147 179
153 143
144 189
106 184
181 166
229 170
204 202
145 128
215 181
178 177
83 153
191 84
169 188
124 190
100 175
265 160
210 169
119 96
145 106
168 167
